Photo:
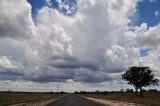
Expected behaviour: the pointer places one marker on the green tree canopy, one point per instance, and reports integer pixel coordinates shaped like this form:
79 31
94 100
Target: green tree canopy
140 77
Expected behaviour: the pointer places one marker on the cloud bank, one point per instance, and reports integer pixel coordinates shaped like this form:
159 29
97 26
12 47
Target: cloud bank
95 45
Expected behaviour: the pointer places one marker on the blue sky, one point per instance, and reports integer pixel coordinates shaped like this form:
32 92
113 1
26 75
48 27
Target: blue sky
145 10
144 52
145 13
36 5
84 45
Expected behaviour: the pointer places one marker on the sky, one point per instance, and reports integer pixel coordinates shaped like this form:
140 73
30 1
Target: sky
76 45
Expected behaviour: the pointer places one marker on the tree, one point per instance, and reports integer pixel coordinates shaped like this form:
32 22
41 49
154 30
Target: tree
139 77
129 90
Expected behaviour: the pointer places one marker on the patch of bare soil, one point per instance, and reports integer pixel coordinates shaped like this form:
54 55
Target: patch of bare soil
113 102
42 103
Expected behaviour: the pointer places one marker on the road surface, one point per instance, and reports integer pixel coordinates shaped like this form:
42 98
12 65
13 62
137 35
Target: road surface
72 100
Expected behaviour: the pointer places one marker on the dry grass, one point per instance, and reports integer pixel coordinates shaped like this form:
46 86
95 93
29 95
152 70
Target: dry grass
151 99
15 98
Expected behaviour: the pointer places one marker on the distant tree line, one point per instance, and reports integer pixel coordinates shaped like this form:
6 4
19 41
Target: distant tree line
128 90
61 92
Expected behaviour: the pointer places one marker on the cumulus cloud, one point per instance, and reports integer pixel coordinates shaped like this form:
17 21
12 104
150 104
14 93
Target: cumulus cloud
82 43
91 46
10 69
7 63
148 36
15 19
157 13
49 3
68 7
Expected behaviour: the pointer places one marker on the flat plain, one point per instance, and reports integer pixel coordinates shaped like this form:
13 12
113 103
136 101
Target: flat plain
44 99
11 98
149 98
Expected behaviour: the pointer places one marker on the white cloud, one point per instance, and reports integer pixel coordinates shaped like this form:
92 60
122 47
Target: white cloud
49 2
148 36
154 1
7 63
10 69
95 45
69 86
157 13
15 19
80 43
67 7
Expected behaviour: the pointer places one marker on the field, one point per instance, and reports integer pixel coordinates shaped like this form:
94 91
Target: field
10 98
15 98
150 98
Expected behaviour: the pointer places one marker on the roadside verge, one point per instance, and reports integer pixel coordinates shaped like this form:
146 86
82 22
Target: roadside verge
112 102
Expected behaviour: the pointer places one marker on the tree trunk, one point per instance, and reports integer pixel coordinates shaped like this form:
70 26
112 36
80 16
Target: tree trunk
136 91
141 92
